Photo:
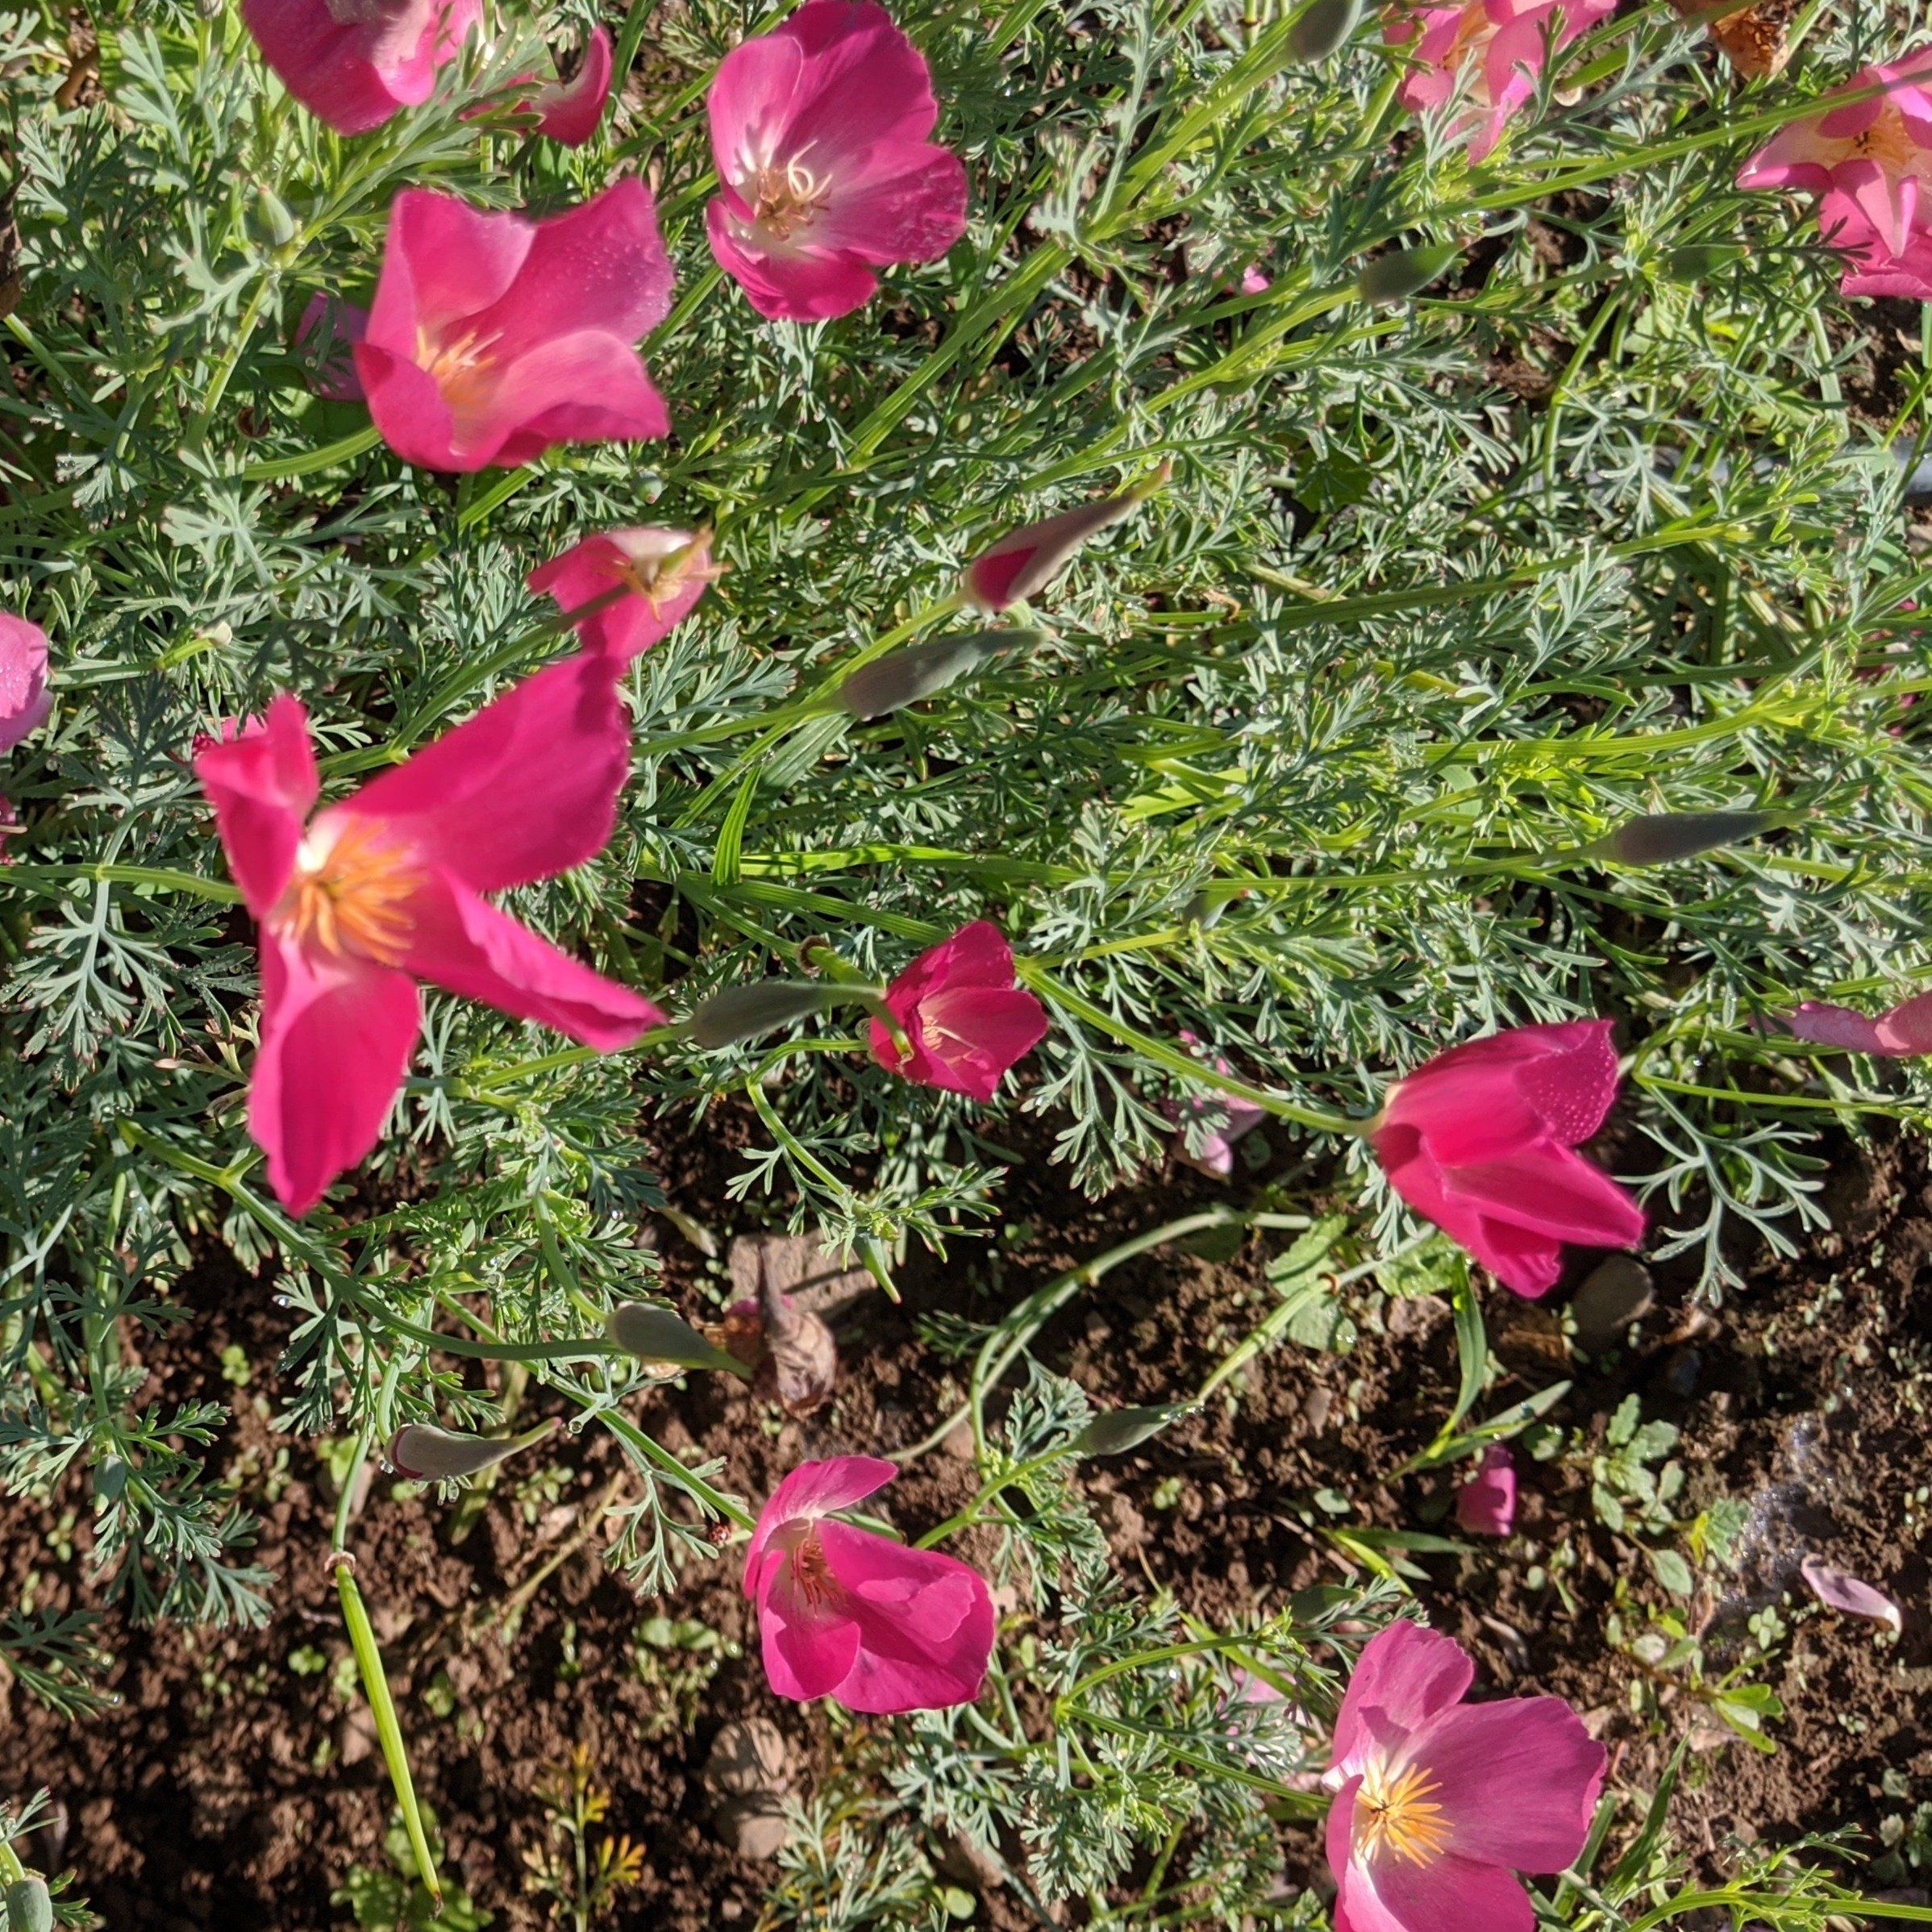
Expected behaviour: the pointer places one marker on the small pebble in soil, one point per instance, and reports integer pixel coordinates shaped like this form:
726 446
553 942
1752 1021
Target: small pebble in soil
1615 1293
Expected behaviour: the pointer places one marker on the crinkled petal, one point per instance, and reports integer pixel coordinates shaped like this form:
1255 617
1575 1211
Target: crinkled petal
1827 1025
1406 1674
1552 1191
809 1644
905 201
800 284
568 112
925 1622
1906 1030
1446 1893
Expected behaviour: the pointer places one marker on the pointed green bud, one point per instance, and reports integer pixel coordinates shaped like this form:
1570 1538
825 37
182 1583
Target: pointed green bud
1322 27
272 212
903 677
425 1454
1660 837
655 1335
1114 1431
1392 278
30 1906
1699 261
742 1012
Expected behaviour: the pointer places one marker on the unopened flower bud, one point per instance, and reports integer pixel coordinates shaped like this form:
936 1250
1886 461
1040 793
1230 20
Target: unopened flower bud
30 1906
655 1334
1114 1431
1698 262
1026 560
425 1454
1658 837
277 224
742 1012
1322 27
904 677
1392 278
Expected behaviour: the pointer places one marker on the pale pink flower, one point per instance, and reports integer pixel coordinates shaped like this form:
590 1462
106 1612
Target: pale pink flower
1481 1141
25 700
663 573
1905 1032
1484 56
494 337
844 1613
1485 1505
1226 1117
340 325
820 131
1438 1801
963 1016
358 901
1839 1590
354 63
1869 163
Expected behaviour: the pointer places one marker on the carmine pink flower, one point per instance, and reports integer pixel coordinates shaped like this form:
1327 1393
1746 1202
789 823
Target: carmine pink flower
25 701
1903 1033
1485 56
1481 1141
1225 1118
1485 1505
358 901
1438 1801
340 325
662 572
846 1614
963 1016
493 337
567 112
820 130
1022 564
1869 163
354 63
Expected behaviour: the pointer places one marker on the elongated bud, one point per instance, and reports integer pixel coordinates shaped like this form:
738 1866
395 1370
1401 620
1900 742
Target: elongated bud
655 1335
1026 560
30 1906
1698 262
272 212
1392 278
1114 1431
1322 27
905 676
742 1012
1659 837
800 1353
426 1454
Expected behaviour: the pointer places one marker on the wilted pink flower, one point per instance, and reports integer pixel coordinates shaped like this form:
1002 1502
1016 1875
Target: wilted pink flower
341 325
358 902
354 63
1483 55
820 129
1481 1141
1485 1505
846 1614
1868 163
1438 1801
1839 1590
1226 1117
24 699
965 1018
1026 561
664 572
493 337
1903 1033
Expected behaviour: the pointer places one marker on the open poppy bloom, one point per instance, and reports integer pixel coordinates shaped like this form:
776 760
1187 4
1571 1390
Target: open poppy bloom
24 699
844 1613
1482 1141
662 571
493 337
964 1016
1438 1801
359 900
354 63
820 129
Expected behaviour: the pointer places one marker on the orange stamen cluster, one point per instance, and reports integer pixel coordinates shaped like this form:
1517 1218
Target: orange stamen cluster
353 901
785 198
811 1569
1395 1813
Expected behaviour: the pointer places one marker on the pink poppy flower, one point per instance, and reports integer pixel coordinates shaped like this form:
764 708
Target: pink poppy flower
1485 56
846 1614
1903 1033
341 325
1485 1505
493 337
1025 560
663 571
1481 1141
1438 1801
354 63
1869 270
820 130
359 900
1226 1116
25 701
1868 163
567 112
963 1016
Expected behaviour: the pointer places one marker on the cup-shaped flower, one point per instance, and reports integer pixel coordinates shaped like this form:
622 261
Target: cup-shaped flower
1024 561
1482 1141
1485 1505
965 1018
493 337
1438 1801
662 573
354 63
358 901
1868 162
1483 58
844 1613
24 699
820 131
329 329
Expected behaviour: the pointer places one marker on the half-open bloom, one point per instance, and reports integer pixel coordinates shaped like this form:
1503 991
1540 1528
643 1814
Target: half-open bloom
820 129
1903 1033
1481 1141
1025 560
1485 57
358 901
662 573
1869 163
1218 1120
494 337
24 699
1485 1505
963 1015
844 1613
1438 1801
354 63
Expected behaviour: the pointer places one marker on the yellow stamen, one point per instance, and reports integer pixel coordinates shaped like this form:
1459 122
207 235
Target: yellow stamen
658 579
352 899
787 197
462 369
1395 1813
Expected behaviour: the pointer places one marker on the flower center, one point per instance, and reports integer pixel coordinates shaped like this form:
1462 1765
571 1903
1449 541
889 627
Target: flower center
812 1569
786 197
1395 1814
350 898
658 579
463 369
1888 141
